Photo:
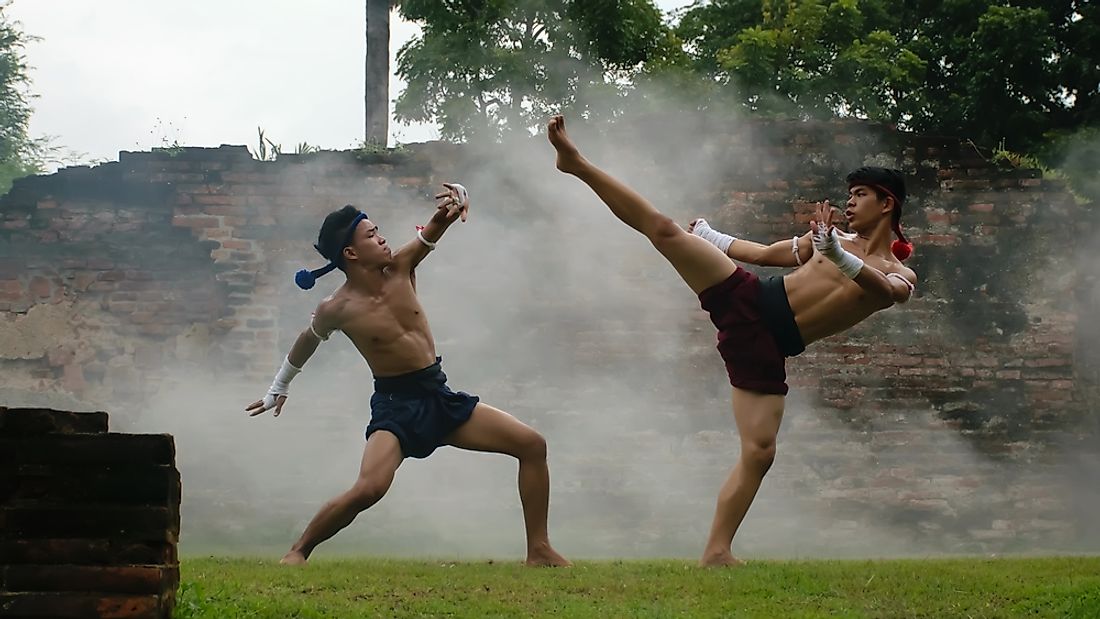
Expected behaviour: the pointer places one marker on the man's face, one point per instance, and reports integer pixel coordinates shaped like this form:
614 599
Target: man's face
368 246
864 208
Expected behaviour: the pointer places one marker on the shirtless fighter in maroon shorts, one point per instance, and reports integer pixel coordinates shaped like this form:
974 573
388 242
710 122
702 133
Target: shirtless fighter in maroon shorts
842 280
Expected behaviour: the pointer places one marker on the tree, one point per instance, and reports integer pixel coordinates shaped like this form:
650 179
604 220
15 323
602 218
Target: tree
999 72
377 85
508 63
808 57
19 154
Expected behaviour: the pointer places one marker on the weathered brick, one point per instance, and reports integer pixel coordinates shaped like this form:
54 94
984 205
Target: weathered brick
68 485
195 221
134 523
88 449
91 579
87 552
89 606
38 421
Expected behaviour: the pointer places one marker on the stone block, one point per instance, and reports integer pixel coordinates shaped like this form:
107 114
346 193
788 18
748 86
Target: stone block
38 421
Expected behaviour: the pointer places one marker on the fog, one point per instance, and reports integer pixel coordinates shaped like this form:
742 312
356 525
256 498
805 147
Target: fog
547 307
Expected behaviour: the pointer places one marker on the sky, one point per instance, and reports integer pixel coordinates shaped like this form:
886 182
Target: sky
117 75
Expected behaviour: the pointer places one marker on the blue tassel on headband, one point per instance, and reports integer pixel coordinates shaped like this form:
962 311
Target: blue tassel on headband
306 278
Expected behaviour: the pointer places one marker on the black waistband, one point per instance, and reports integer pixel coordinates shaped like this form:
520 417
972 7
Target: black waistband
775 309
423 380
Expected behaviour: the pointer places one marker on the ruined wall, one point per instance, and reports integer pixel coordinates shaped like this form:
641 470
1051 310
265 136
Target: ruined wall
964 419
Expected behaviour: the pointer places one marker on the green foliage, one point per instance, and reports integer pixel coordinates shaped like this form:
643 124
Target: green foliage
507 64
990 70
161 131
267 150
1014 160
20 155
1076 157
809 58
1033 587
1025 74
370 151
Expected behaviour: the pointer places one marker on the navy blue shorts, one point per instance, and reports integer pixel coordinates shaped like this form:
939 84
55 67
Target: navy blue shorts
419 409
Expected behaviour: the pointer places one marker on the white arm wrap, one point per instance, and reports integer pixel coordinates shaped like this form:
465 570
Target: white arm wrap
794 250
829 246
703 230
462 195
281 384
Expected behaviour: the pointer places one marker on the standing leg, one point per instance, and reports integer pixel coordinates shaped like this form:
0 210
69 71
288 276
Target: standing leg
700 264
758 417
493 430
381 457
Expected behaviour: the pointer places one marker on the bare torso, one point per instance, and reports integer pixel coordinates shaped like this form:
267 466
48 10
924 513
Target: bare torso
388 325
825 302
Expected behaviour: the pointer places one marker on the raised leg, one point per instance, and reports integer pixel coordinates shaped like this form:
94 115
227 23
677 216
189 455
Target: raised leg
700 264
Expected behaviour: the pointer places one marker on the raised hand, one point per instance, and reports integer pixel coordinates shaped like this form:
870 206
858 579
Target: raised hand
456 201
821 230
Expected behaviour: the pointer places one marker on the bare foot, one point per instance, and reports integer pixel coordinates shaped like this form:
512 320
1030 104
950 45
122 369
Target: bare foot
545 556
720 559
569 159
293 558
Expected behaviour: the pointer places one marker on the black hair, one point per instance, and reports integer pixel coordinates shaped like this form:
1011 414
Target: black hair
333 232
886 182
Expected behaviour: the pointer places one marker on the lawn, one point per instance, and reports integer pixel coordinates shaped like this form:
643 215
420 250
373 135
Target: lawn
1016 587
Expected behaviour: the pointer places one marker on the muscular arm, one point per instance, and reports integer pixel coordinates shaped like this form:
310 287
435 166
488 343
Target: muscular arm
320 327
778 254
412 253
304 347
892 287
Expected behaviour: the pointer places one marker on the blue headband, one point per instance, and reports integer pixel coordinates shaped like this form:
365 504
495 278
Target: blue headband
306 278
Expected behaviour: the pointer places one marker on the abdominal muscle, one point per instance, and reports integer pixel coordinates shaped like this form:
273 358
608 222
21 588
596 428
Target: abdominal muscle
394 338
825 302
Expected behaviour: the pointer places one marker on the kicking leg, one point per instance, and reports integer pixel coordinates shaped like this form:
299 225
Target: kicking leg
493 430
700 264
758 417
381 457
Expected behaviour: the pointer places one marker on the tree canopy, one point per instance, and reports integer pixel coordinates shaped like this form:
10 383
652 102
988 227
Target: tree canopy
509 63
19 154
992 70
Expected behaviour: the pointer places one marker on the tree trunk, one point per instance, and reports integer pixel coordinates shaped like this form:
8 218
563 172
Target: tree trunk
377 98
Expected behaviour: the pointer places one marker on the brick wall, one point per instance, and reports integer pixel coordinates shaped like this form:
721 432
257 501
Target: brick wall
89 520
951 418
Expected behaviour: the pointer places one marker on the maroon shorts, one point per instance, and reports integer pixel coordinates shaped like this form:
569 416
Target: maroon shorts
756 330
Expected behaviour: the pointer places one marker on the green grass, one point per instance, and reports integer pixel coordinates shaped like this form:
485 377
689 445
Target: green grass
1017 587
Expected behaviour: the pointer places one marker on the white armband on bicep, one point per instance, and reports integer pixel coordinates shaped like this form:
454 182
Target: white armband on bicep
908 284
420 237
317 334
